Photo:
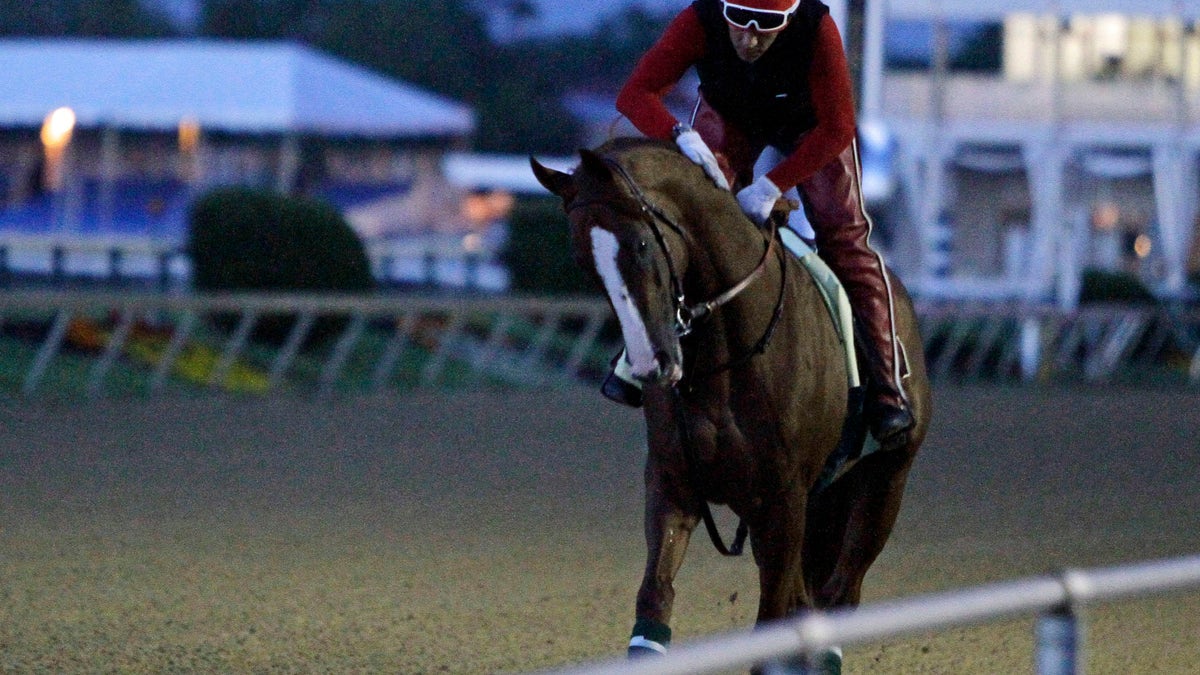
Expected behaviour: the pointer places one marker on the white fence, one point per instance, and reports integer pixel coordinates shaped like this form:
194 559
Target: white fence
97 343
1055 599
148 343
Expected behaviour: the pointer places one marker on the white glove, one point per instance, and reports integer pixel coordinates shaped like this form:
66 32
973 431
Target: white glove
697 150
758 198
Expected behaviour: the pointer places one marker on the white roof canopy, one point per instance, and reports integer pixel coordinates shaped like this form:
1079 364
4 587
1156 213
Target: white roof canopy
239 87
987 9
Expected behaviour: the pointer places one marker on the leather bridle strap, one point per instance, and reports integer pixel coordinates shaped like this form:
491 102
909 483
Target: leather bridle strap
702 309
689 457
685 313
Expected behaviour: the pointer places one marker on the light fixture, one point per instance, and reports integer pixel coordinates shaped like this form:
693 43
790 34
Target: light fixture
56 134
1142 245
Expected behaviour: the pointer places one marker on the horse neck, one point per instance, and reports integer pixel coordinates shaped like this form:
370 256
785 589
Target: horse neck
725 247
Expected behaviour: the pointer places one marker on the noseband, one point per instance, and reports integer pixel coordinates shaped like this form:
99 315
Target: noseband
686 314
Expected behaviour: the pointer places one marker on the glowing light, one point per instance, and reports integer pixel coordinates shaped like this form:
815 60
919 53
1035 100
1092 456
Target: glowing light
1142 245
56 134
484 207
1105 216
56 130
472 243
189 134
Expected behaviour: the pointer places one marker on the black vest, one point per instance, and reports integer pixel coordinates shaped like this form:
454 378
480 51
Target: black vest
768 100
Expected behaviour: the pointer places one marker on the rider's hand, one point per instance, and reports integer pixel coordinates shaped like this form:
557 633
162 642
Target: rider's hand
758 199
697 150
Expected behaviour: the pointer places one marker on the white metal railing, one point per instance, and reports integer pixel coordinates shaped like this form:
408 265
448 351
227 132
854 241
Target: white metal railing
523 340
518 340
1055 599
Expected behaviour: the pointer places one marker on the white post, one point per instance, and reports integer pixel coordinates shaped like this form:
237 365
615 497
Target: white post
1044 165
1031 347
289 163
872 63
1072 245
933 198
1058 643
1175 204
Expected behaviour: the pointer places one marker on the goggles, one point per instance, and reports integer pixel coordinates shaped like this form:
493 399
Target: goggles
762 20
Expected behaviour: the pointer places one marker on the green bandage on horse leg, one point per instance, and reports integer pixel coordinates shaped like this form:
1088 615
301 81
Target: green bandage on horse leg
649 636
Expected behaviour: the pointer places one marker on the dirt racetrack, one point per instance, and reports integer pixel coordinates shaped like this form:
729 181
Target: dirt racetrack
501 532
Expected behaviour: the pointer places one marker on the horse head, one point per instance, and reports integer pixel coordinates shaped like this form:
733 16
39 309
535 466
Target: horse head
635 252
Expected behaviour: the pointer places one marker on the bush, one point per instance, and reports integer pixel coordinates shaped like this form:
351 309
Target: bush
538 254
1103 286
240 239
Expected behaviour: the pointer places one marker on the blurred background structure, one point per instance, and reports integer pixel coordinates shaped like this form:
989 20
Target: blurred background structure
1020 159
133 131
1008 148
1035 140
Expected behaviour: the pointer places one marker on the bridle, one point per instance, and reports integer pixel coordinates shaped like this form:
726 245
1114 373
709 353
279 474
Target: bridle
686 314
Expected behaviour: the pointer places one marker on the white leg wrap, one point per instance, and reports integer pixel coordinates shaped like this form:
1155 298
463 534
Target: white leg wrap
643 643
624 371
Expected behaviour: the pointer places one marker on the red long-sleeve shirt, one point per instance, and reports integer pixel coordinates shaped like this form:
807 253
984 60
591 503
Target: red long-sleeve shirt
683 44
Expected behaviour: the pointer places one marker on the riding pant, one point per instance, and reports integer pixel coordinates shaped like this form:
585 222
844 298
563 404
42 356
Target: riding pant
833 203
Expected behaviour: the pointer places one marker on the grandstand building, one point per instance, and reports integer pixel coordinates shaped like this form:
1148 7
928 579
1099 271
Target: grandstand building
105 143
1037 139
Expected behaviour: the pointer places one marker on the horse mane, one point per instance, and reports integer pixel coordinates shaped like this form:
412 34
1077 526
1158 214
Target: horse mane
623 144
659 165
629 151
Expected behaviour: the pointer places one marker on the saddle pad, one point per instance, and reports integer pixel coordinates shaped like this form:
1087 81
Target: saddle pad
836 300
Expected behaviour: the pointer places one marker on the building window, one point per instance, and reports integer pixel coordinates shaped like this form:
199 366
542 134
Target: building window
1099 47
972 46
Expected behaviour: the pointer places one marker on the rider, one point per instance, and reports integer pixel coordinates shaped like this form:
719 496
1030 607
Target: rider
773 73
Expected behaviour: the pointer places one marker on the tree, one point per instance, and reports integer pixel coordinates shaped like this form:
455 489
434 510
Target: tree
81 18
440 45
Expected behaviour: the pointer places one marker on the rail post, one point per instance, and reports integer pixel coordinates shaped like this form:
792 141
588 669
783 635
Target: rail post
1058 642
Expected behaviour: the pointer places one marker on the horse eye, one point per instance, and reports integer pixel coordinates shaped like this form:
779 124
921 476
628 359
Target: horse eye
641 246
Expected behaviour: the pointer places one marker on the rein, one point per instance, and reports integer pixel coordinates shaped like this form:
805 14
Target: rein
739 537
684 316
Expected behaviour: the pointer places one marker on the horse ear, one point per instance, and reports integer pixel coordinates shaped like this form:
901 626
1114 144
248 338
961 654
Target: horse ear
561 184
595 164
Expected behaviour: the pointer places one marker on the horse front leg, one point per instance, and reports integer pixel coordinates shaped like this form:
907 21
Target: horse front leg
668 530
778 543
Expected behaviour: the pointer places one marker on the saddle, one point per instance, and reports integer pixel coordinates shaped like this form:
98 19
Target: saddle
855 442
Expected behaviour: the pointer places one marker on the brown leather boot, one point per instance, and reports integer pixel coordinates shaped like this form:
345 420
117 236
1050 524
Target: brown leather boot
835 208
888 412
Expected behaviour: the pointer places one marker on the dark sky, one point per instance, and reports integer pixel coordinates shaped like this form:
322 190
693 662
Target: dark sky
554 15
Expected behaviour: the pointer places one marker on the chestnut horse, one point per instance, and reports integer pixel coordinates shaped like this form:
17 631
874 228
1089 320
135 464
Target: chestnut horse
745 383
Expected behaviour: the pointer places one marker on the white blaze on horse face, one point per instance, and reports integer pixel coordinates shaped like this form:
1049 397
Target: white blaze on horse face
638 349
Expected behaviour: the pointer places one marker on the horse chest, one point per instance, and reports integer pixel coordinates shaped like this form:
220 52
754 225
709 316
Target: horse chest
729 458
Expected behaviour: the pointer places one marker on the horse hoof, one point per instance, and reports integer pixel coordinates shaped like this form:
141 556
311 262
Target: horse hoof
827 662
